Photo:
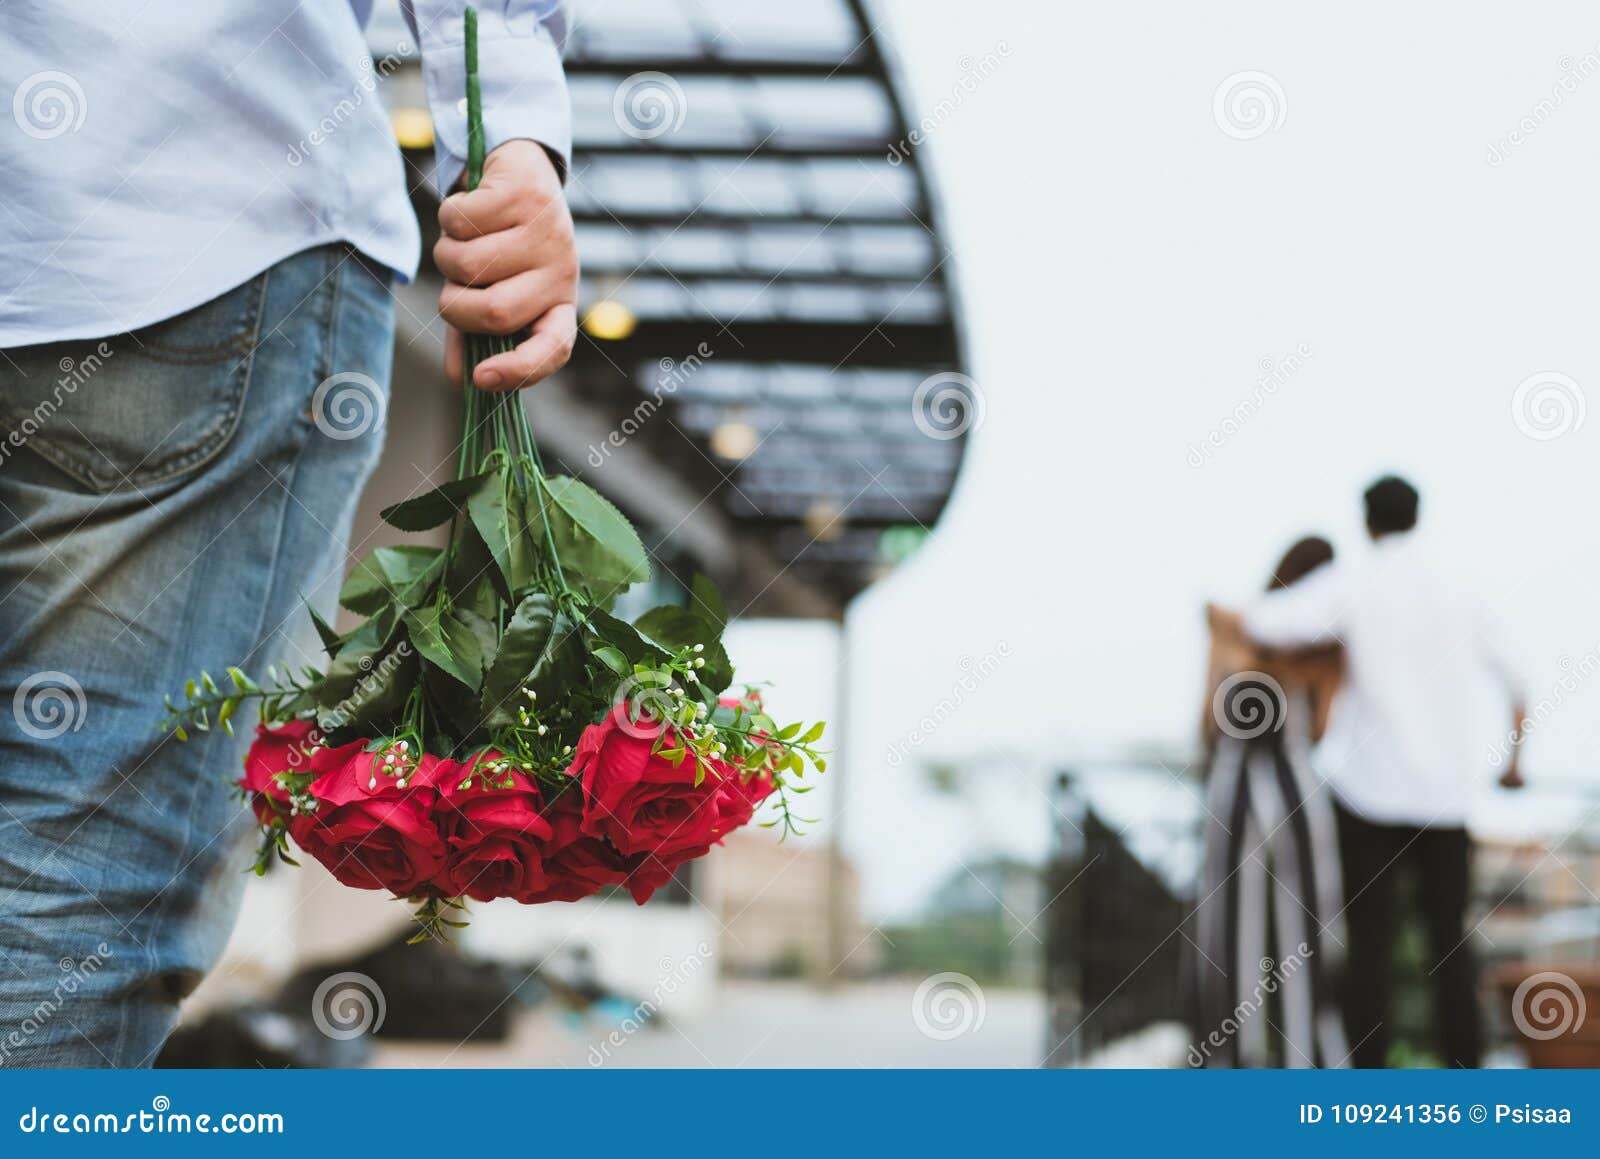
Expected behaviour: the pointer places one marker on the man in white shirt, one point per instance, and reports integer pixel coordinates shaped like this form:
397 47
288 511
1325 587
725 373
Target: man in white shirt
1404 754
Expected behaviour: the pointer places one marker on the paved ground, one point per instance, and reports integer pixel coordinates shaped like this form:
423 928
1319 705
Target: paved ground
774 1025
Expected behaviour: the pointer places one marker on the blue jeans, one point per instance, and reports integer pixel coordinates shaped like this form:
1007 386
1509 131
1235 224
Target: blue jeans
166 496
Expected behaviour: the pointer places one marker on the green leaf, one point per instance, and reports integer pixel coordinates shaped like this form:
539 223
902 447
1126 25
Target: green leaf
399 575
331 640
673 628
594 541
813 734
706 602
625 638
474 578
432 508
457 703
448 643
498 517
356 658
540 650
375 698
482 626
612 659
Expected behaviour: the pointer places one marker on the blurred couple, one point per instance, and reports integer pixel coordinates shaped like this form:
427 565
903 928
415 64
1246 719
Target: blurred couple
1379 664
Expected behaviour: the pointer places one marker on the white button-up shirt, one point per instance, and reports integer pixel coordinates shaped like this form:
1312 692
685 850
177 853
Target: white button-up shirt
1405 742
158 155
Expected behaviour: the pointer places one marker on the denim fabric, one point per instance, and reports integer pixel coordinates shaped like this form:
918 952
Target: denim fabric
165 497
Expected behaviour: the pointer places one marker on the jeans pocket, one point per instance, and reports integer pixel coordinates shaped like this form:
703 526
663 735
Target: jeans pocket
137 409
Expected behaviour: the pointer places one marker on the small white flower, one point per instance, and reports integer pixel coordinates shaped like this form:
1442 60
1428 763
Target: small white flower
530 694
566 750
699 647
372 783
691 675
401 783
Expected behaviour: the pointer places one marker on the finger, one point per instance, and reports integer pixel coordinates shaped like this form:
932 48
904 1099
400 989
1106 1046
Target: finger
452 355
544 352
491 208
503 308
494 257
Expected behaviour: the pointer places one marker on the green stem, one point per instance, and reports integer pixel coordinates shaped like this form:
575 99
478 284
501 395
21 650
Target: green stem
474 104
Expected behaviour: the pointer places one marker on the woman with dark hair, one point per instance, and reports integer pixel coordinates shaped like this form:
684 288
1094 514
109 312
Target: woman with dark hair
1266 923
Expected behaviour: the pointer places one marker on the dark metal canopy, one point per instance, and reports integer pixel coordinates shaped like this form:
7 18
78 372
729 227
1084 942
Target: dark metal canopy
765 288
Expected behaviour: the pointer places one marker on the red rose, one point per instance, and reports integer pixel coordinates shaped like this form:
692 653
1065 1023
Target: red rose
648 872
575 864
284 749
641 801
495 836
367 830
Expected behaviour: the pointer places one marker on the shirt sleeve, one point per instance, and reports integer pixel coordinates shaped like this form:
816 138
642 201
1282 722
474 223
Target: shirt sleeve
1304 613
519 71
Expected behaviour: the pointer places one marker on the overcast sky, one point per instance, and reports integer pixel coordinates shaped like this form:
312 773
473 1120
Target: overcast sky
1133 255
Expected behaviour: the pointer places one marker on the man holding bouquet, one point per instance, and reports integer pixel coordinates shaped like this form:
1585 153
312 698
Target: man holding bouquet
204 212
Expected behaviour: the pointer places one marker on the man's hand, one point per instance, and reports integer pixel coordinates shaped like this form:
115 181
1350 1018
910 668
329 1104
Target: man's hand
1512 777
508 256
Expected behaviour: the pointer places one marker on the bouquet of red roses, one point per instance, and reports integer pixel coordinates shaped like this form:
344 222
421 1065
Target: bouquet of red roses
492 729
